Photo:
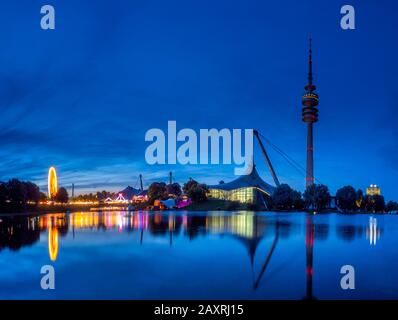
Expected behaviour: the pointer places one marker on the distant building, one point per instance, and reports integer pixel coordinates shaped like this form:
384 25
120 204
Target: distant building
245 189
373 190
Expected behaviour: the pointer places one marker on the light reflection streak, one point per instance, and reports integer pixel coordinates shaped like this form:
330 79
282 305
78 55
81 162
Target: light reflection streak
245 226
53 243
240 224
372 231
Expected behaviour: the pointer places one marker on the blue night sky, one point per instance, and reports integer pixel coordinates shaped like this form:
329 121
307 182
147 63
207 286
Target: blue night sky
81 97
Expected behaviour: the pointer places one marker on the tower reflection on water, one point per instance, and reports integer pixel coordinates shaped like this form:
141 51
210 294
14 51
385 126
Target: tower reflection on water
247 228
309 247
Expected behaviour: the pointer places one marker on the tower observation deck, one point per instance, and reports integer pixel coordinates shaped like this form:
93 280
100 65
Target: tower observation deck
310 102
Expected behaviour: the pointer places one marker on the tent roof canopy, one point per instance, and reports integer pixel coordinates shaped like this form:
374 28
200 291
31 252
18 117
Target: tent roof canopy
251 180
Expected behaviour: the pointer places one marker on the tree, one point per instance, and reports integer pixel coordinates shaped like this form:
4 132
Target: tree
188 185
16 191
196 191
87 197
43 196
173 189
32 192
346 198
156 191
285 198
375 203
317 197
360 201
62 195
3 193
298 202
391 206
104 195
17 194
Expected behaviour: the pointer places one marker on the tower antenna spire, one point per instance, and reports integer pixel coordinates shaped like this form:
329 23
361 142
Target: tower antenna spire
310 102
310 62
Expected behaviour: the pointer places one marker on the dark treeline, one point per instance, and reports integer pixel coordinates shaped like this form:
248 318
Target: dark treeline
16 191
196 191
16 195
317 197
99 196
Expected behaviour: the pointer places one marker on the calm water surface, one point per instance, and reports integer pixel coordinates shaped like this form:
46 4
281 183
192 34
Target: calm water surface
202 255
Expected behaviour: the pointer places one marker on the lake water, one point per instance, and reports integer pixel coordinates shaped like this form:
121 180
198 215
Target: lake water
203 255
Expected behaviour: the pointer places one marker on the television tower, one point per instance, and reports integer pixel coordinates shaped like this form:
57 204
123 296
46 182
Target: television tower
310 102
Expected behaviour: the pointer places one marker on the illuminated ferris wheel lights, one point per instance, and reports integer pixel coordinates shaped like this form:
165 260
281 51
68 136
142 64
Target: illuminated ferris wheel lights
52 183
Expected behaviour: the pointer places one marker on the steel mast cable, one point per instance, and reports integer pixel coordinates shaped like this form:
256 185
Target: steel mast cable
293 163
289 159
284 154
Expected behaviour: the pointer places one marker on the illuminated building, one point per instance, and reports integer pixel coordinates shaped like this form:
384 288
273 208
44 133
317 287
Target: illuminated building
246 189
310 115
52 183
373 190
242 225
141 197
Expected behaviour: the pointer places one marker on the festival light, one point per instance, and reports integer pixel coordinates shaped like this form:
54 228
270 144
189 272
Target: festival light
52 183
